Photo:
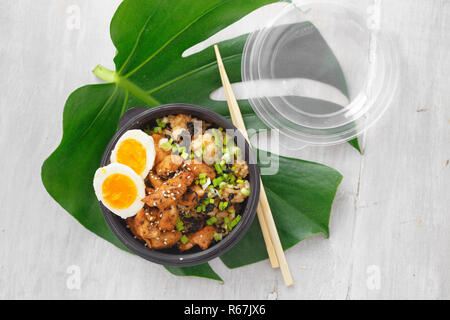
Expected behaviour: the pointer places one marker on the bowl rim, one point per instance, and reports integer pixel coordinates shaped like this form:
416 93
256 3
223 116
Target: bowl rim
137 118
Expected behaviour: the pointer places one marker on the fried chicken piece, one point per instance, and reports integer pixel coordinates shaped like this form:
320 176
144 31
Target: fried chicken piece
160 153
131 224
202 238
143 224
155 180
166 239
179 125
168 165
169 218
179 120
197 167
186 246
234 194
241 169
170 191
192 197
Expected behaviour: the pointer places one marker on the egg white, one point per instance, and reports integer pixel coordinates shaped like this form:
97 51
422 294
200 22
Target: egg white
102 173
147 143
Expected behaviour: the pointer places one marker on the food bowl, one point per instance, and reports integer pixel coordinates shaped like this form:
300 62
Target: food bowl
141 118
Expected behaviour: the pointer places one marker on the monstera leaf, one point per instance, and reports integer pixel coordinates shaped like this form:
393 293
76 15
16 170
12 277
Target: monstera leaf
150 37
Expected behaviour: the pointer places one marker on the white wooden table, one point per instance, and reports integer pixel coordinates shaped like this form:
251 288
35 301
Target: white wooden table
390 226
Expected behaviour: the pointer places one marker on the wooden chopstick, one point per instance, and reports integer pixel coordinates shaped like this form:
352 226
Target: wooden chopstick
268 227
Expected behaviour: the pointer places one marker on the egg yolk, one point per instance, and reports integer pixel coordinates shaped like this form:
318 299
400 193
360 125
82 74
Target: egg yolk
119 191
132 153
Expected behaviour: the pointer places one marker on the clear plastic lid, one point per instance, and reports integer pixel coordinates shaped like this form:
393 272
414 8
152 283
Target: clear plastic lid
329 71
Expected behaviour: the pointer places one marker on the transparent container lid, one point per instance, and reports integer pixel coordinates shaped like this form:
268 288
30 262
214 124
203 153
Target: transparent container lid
329 71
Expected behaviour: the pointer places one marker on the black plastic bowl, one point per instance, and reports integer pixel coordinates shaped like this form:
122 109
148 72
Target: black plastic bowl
141 118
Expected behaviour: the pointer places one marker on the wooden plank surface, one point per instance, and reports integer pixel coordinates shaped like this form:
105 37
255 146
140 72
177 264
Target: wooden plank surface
390 225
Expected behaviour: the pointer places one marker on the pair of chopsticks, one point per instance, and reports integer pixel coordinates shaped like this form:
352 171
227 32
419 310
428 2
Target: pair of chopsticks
268 228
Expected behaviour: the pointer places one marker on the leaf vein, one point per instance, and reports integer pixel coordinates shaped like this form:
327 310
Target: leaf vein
141 32
175 37
100 112
187 74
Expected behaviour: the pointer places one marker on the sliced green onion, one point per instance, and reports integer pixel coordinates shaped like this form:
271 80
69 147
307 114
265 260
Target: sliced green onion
179 225
211 221
218 168
202 175
223 205
238 181
181 149
185 155
160 123
184 239
231 210
222 185
174 149
225 140
245 191
192 156
157 129
217 236
217 181
227 223
235 221
211 201
165 144
217 135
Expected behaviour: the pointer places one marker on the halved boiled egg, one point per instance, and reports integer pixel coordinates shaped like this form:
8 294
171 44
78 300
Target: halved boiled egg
136 150
120 189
